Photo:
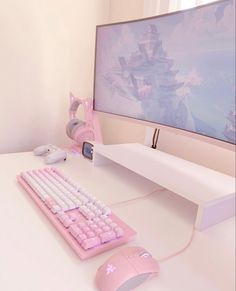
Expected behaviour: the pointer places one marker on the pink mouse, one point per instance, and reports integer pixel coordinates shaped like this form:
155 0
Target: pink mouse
126 270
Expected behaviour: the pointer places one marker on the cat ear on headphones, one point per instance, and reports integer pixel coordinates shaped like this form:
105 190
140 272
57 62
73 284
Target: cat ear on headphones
74 104
71 112
72 98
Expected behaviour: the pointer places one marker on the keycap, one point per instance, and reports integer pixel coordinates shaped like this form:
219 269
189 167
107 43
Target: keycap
75 230
91 242
81 237
107 236
119 231
67 222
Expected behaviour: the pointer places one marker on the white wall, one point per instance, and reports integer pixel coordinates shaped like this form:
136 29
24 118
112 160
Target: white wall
47 49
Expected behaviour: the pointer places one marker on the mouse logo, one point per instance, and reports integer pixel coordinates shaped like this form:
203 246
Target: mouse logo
145 255
110 269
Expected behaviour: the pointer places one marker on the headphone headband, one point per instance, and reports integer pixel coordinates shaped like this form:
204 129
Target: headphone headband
87 104
74 107
74 104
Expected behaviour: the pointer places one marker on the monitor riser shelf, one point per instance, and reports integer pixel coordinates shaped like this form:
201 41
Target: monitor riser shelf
212 191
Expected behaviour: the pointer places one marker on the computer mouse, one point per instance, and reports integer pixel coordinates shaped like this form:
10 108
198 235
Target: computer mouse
126 270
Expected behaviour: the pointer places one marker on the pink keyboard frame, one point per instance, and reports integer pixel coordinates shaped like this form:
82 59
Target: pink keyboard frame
129 233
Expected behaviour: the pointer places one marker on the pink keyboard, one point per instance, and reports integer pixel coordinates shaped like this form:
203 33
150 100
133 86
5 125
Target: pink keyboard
86 223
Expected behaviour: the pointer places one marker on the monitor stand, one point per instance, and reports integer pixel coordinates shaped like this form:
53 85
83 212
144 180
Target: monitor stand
212 191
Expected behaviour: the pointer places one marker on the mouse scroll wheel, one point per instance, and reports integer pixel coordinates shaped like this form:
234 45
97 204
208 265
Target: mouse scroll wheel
145 255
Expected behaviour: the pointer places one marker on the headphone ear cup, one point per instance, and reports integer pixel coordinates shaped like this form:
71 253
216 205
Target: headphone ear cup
76 129
82 133
72 126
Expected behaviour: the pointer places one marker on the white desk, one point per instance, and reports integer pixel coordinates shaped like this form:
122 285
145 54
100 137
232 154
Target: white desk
34 257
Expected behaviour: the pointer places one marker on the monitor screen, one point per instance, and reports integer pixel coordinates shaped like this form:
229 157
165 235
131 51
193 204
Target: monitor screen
176 70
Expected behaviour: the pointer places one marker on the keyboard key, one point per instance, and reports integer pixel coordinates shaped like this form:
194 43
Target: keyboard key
98 212
108 221
62 216
89 222
86 229
81 237
106 210
106 228
55 208
119 232
104 217
91 242
93 226
81 224
50 202
113 225
73 216
90 234
67 222
90 215
98 231
96 219
101 224
75 230
107 236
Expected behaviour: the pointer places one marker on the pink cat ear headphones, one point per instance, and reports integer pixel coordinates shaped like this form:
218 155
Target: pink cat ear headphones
79 130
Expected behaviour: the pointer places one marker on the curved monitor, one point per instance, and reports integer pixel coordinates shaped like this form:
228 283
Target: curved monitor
175 70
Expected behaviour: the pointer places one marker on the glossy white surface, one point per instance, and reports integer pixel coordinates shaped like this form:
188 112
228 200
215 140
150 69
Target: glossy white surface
33 256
